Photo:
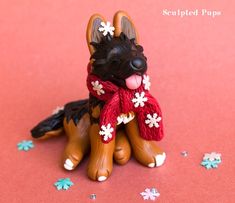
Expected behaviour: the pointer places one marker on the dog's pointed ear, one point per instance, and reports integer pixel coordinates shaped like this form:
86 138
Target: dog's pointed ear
123 23
93 35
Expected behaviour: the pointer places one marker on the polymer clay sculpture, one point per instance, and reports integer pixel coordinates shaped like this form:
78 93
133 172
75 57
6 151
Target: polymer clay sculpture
120 116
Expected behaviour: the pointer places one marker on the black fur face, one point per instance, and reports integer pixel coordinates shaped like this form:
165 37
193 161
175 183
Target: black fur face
117 58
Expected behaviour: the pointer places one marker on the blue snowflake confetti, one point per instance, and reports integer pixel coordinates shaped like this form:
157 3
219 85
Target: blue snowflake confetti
208 164
63 183
211 160
25 145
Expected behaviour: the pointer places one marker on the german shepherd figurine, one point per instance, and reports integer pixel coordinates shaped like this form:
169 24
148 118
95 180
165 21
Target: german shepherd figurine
120 115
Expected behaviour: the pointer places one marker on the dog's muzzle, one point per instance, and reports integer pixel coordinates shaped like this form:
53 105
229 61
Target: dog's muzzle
138 64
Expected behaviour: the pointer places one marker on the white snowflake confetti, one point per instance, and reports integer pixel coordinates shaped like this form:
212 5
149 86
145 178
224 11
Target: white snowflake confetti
212 156
106 28
139 99
92 196
57 109
184 153
151 194
146 82
153 120
98 87
106 132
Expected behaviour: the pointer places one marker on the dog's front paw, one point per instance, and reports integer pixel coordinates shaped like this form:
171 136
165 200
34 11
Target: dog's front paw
101 157
158 160
146 152
99 174
149 154
100 167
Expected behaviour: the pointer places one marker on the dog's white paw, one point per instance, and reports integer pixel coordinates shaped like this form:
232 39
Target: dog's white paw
102 178
151 165
159 160
68 164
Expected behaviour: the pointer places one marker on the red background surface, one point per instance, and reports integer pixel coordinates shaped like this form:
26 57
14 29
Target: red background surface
43 57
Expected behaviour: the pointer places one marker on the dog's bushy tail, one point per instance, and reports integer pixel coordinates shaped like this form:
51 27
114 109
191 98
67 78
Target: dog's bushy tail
53 125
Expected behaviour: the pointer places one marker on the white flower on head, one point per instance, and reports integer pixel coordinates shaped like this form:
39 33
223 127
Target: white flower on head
97 87
153 120
212 156
139 99
57 109
106 132
150 194
106 28
146 82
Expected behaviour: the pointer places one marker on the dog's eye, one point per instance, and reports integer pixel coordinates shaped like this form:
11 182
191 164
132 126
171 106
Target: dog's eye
115 61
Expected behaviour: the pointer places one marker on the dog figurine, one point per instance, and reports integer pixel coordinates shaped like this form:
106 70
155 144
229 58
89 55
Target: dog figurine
120 116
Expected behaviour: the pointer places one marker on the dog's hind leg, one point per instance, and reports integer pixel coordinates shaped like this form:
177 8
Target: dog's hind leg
101 158
122 152
78 141
146 152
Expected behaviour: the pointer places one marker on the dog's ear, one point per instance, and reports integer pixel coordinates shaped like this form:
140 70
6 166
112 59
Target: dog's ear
92 32
123 23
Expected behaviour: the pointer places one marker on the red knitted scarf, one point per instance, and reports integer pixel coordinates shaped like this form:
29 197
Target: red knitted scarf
122 101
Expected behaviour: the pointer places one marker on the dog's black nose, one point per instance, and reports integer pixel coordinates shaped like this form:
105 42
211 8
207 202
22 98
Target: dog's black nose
138 64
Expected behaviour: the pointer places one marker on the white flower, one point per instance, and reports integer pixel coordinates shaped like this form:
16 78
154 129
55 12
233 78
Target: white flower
212 156
57 109
125 118
146 82
106 132
153 120
139 99
150 194
98 87
106 28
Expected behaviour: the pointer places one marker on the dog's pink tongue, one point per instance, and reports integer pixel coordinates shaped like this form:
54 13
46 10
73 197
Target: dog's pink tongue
133 82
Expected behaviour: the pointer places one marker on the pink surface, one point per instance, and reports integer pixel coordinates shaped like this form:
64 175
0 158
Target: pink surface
191 63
